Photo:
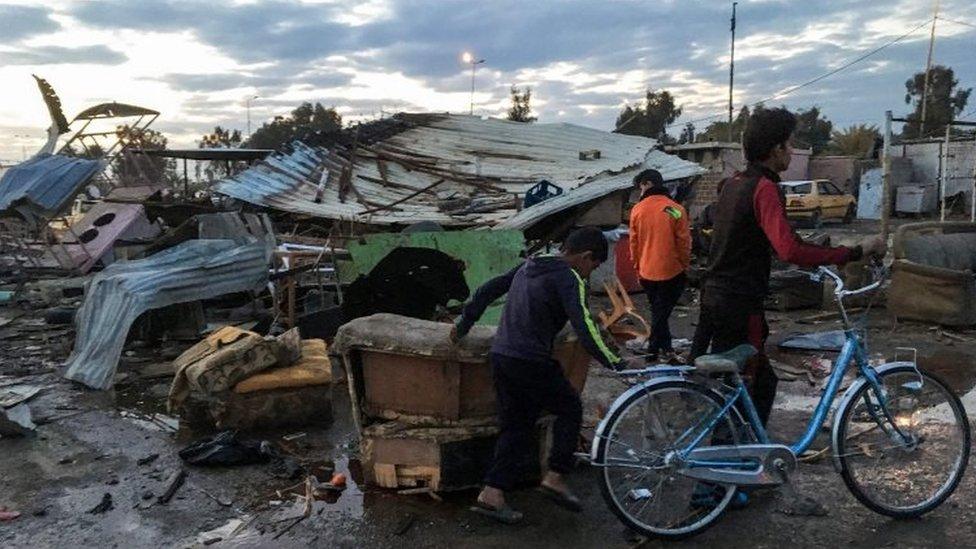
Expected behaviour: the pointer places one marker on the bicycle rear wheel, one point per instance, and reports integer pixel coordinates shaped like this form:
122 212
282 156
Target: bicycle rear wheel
891 477
637 482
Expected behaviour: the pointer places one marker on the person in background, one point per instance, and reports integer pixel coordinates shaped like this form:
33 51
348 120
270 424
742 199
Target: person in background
543 293
660 248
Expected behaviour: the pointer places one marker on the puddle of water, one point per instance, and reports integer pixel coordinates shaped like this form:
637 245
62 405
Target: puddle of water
153 422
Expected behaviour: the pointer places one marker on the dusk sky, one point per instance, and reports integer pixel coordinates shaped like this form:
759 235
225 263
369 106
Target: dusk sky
196 62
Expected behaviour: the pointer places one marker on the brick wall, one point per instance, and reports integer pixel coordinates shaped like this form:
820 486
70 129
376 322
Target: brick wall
706 192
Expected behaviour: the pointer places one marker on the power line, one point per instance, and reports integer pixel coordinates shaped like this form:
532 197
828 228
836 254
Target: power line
940 18
824 75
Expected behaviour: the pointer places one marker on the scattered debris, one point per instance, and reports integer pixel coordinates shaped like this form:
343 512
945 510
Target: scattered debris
223 502
223 533
14 395
192 270
405 523
817 341
7 515
103 506
147 460
804 506
172 485
225 449
16 421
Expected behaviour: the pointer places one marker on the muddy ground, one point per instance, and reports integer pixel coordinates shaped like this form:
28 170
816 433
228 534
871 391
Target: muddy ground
91 443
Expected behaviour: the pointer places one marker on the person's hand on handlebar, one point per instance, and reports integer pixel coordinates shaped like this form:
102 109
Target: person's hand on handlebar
873 246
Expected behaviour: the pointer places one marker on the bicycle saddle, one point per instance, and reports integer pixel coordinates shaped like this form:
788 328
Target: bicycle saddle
729 362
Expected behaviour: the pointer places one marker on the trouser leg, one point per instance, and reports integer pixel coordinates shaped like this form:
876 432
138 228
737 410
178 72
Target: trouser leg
763 380
667 298
737 323
518 411
563 401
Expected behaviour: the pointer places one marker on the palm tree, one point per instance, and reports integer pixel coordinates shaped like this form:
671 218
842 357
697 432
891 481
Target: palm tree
856 140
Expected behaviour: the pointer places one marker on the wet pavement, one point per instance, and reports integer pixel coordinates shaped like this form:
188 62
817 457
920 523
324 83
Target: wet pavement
91 443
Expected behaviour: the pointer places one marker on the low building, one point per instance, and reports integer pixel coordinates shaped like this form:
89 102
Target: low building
723 159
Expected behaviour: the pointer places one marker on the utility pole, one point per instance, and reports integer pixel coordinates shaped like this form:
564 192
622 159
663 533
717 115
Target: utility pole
945 172
886 178
467 57
248 102
732 69
928 68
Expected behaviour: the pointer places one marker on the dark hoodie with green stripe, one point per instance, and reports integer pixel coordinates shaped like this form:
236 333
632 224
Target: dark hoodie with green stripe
543 293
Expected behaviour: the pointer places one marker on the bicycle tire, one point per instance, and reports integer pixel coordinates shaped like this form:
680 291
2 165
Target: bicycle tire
843 455
607 491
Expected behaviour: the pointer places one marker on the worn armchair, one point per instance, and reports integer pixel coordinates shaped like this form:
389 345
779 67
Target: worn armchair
933 273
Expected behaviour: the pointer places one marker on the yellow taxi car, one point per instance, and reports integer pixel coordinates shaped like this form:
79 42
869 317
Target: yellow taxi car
817 200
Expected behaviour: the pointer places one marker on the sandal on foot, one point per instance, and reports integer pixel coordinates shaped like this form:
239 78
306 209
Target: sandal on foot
564 500
503 514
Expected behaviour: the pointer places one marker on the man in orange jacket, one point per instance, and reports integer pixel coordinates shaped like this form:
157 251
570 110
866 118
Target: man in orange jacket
660 247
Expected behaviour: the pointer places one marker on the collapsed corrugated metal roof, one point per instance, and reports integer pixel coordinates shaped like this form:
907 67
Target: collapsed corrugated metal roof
671 168
452 169
43 185
190 271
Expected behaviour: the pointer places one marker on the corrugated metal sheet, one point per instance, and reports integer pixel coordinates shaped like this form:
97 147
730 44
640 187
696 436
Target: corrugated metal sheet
41 186
438 170
670 166
193 270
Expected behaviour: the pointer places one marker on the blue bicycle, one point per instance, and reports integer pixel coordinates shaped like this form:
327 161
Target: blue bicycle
674 448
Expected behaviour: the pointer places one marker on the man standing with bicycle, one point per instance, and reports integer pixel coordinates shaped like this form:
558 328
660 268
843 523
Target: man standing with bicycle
749 225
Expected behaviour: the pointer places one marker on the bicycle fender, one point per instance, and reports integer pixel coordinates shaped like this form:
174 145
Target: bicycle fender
849 395
598 434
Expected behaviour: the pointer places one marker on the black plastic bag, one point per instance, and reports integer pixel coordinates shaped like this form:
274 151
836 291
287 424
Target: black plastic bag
225 449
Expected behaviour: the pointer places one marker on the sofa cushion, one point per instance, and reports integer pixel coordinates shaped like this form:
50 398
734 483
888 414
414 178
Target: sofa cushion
950 251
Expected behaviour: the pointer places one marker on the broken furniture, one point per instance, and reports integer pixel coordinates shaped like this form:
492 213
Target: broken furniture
406 367
399 455
196 269
932 277
616 320
236 379
92 238
425 407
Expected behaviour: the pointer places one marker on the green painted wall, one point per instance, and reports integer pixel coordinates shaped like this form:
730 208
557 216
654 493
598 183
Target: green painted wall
486 254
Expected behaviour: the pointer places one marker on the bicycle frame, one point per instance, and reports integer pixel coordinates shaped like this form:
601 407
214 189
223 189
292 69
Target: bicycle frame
852 351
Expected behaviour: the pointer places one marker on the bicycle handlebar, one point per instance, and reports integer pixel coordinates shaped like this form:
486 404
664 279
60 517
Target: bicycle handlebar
839 290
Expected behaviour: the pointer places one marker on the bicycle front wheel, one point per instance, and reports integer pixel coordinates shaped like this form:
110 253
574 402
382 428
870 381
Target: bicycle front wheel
906 458
640 484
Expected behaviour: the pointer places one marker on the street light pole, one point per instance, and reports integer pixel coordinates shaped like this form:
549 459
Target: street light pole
248 102
732 69
468 58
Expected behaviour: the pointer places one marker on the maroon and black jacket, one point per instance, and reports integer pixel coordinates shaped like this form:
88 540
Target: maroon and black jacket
749 224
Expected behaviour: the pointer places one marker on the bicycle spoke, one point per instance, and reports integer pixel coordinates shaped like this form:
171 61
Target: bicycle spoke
911 456
654 427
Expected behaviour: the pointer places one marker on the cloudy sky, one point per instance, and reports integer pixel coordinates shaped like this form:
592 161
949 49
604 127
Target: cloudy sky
196 62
